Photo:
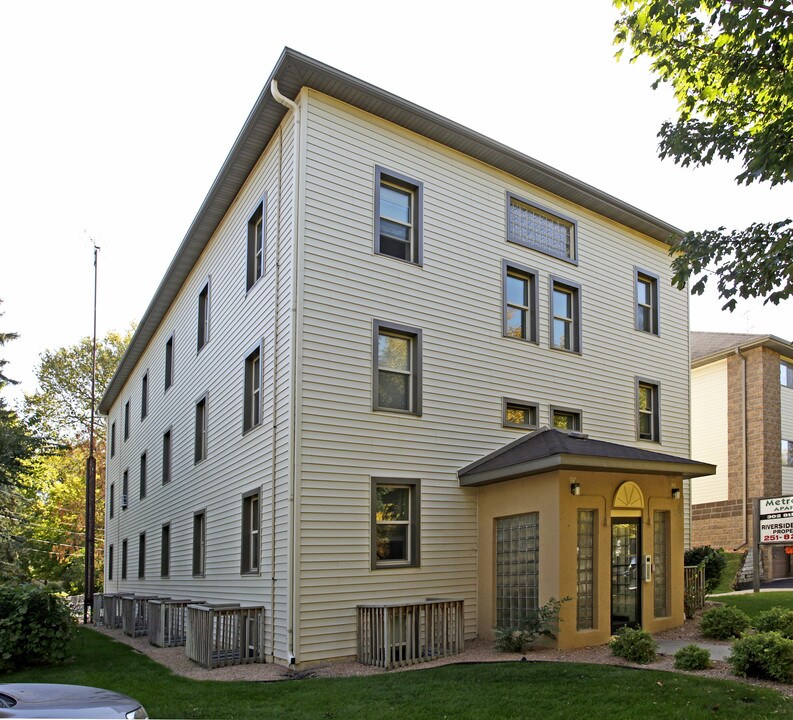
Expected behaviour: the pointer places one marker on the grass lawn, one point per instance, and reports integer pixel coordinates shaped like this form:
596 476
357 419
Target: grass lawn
728 576
754 603
502 690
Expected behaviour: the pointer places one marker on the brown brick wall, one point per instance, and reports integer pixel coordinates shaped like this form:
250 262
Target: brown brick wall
717 524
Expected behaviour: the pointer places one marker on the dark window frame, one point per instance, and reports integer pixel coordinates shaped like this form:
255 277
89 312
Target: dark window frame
414 533
124 558
415 336
144 474
125 489
142 556
574 289
655 389
416 190
167 455
170 357
199 543
127 410
575 412
552 215
787 462
165 550
252 398
255 270
506 403
113 439
203 330
531 276
112 501
201 441
144 396
249 529
640 274
110 562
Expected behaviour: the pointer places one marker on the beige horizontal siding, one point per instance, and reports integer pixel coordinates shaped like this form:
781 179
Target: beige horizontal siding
787 434
709 441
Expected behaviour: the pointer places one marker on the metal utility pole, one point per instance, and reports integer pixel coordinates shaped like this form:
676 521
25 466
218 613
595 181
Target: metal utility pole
90 476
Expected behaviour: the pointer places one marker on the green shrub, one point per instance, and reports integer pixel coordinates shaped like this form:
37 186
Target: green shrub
634 644
692 657
543 622
724 622
776 619
715 561
765 655
35 627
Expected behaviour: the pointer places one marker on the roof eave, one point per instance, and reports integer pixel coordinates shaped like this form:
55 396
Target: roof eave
772 342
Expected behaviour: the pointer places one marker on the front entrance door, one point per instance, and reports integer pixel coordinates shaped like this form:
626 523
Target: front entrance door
625 573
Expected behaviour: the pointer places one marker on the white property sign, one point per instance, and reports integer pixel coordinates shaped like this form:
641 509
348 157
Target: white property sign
776 520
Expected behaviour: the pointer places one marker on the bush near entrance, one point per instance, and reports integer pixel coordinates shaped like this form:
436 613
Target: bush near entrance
724 622
634 645
715 562
765 655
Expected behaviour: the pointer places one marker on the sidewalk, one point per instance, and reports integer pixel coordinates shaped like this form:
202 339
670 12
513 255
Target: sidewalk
717 650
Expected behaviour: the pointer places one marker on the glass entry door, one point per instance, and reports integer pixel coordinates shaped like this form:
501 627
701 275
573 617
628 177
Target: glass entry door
625 573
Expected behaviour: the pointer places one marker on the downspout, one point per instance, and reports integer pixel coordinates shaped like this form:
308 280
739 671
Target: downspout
744 441
295 339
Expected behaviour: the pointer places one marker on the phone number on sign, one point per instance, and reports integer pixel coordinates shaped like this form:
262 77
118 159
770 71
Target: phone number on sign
778 538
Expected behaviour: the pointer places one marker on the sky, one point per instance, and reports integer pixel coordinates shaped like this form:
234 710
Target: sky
116 117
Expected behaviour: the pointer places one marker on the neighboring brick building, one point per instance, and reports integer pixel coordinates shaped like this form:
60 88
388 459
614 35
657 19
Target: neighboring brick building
741 415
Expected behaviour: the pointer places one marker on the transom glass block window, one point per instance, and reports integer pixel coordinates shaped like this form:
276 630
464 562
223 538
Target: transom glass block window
397 379
395 523
520 302
566 419
647 411
517 569
541 230
646 303
787 453
585 595
398 216
786 373
661 561
565 320
520 415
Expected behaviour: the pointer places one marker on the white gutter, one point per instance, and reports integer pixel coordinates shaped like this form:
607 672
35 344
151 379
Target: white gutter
296 331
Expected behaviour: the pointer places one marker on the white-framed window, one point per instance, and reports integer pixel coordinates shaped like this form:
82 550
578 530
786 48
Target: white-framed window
203 317
646 284
200 430
648 425
565 316
786 373
519 414
397 368
250 533
398 216
396 507
199 542
256 246
538 228
566 419
253 390
787 453
520 302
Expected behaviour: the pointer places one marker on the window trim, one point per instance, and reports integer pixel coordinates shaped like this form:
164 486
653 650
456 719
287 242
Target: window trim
656 411
248 390
142 556
143 475
112 503
124 558
553 215
203 319
506 402
113 438
201 437
575 289
165 550
110 561
200 549
167 467
259 213
788 366
789 461
247 532
144 396
553 409
415 336
414 535
533 322
127 411
416 189
170 357
655 309
125 489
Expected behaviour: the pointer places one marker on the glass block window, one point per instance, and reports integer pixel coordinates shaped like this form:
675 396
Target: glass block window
661 557
517 568
539 229
585 595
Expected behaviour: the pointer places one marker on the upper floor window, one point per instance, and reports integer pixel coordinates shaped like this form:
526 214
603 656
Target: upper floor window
540 229
397 368
395 523
124 559
250 533
166 457
647 411
203 316
112 439
398 216
111 501
144 396
199 542
253 390
565 316
201 429
520 414
126 420
125 490
110 562
520 302
165 551
564 419
786 373
787 453
169 362
142 556
255 254
646 302
143 474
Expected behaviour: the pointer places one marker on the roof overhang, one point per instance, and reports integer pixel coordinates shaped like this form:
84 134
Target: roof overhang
772 342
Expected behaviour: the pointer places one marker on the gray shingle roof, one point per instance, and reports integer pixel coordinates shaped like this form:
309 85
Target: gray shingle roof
709 346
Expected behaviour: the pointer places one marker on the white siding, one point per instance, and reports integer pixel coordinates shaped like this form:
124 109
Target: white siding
455 298
787 434
235 463
709 444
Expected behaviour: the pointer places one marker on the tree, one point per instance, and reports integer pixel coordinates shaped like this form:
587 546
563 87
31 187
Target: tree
730 65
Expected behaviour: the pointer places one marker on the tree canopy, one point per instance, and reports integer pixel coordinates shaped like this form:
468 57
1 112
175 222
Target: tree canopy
730 65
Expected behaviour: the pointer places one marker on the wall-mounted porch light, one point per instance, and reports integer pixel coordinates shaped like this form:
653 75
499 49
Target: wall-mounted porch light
675 493
575 488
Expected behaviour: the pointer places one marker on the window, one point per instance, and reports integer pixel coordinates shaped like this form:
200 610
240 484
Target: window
199 541
398 216
253 390
397 368
786 373
141 556
540 229
585 588
126 421
787 453
255 261
250 533
563 419
169 362
200 430
124 559
661 563
647 411
519 414
520 302
144 396
125 490
395 523
565 316
143 470
166 457
112 439
203 316
110 563
646 302
112 500
517 569
165 551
